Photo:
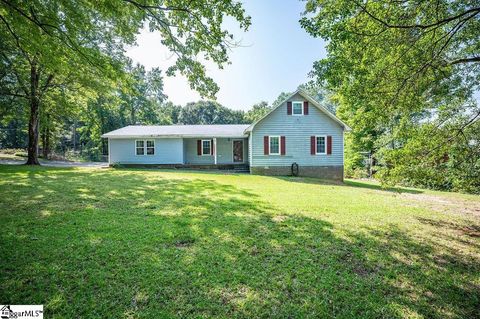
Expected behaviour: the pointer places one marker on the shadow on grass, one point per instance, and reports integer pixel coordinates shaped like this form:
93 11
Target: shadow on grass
133 243
368 185
351 183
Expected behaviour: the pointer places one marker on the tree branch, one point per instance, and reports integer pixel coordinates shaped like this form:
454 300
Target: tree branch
5 93
46 85
14 35
473 12
466 60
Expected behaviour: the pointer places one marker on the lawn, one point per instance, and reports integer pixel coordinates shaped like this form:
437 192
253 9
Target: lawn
108 243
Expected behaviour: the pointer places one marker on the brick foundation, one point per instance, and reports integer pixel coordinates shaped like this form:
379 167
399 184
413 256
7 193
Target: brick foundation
324 172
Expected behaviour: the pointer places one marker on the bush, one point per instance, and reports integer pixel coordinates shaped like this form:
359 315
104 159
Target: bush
21 154
358 172
116 165
12 151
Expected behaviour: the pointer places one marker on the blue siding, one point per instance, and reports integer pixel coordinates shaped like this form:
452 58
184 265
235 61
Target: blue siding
167 151
297 131
250 147
191 157
224 152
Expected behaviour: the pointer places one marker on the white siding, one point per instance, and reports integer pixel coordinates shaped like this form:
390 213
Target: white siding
297 131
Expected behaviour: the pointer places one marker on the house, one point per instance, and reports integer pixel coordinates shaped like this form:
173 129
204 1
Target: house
297 131
5 311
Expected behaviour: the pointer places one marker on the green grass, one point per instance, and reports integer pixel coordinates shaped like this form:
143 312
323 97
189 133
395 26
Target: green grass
107 243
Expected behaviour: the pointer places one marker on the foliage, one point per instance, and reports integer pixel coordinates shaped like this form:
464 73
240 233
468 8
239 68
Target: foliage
316 91
209 112
194 244
393 66
68 31
50 51
140 100
257 111
427 161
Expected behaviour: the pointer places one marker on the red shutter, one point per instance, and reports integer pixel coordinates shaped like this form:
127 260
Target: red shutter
289 108
265 145
212 148
313 144
282 145
199 147
305 108
329 145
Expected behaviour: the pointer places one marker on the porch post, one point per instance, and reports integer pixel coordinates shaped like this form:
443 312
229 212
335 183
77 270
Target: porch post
215 149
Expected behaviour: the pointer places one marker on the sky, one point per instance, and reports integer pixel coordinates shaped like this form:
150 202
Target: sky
275 56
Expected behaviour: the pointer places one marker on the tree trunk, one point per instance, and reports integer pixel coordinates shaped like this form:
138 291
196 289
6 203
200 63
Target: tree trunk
132 115
46 141
74 136
34 115
42 138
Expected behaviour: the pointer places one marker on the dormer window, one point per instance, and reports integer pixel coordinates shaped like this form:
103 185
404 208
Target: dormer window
297 108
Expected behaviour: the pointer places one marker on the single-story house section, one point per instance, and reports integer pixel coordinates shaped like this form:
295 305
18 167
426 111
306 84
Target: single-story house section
297 136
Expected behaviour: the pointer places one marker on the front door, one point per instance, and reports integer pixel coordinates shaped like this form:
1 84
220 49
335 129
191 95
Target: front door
238 151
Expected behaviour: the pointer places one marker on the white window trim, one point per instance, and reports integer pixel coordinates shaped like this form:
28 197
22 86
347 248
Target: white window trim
139 147
316 143
209 153
269 145
145 148
301 108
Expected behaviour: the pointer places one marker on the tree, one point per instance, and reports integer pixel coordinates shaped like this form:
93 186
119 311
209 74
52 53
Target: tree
209 112
69 42
257 111
280 98
320 94
316 91
396 65
170 113
142 95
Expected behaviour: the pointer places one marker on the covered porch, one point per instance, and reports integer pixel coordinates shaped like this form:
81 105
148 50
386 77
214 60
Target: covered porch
213 151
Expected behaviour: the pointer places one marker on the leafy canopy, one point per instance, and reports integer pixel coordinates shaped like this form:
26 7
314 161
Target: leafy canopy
69 35
395 66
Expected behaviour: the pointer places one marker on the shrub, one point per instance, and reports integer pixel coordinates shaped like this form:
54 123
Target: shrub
12 151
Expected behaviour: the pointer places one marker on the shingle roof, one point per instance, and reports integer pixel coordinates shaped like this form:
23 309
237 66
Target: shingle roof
221 130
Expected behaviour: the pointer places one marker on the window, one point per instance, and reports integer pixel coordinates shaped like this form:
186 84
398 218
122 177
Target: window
206 147
151 147
275 145
297 108
321 145
145 147
139 146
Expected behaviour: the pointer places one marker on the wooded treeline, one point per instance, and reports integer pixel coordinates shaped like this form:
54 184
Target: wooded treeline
64 58
77 134
404 75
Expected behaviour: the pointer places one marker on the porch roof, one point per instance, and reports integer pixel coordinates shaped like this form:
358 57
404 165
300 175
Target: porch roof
141 131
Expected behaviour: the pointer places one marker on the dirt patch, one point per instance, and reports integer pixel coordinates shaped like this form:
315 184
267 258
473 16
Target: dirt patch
184 243
444 205
461 230
279 218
